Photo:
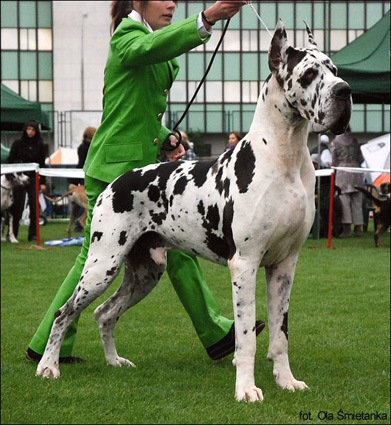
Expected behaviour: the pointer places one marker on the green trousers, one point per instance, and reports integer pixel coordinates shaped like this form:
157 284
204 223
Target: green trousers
185 275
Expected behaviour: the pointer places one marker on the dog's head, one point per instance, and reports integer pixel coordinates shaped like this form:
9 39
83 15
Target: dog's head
17 179
310 84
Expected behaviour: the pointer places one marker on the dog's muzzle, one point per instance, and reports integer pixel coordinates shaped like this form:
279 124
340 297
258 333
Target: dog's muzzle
342 95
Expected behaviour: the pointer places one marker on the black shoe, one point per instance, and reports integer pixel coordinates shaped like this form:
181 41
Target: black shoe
35 357
227 345
32 238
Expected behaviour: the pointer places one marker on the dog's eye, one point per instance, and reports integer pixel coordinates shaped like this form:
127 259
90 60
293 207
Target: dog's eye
308 77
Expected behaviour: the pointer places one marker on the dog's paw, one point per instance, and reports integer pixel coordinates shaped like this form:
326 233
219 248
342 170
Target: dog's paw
48 372
295 385
290 384
119 362
251 394
13 240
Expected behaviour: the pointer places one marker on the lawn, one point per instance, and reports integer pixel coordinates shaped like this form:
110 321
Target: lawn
339 345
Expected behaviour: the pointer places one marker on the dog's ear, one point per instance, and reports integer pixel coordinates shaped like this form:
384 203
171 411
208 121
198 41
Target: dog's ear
311 41
278 46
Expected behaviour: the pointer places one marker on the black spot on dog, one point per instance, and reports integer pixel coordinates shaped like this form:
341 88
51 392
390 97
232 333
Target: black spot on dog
112 271
153 193
158 218
284 326
96 236
122 238
213 217
294 58
228 214
201 208
180 186
199 172
244 167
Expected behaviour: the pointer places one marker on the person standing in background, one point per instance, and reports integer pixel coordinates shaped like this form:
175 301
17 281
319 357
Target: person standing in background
347 153
82 152
83 148
233 139
28 149
190 155
323 151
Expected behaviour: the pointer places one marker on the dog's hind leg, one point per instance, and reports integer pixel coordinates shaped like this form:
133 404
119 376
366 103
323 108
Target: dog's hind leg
143 269
279 286
97 277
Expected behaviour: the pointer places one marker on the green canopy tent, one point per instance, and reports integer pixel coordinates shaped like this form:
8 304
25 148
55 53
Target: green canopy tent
16 111
365 64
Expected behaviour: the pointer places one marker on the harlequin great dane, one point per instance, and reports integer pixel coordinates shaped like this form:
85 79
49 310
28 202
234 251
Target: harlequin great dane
8 182
252 207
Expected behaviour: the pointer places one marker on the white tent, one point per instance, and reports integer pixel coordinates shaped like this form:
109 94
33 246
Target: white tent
377 156
63 156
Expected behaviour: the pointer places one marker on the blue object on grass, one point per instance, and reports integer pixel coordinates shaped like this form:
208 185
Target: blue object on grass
66 242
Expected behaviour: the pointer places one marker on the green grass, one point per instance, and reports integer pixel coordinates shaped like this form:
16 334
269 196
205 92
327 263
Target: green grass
339 345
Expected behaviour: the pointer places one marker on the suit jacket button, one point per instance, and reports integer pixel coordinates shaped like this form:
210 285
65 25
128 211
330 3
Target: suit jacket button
166 92
156 141
160 116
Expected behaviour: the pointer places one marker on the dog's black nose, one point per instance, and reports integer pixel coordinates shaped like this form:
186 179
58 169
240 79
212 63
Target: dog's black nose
342 90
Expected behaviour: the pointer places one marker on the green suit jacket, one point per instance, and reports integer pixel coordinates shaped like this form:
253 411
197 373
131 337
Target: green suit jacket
140 71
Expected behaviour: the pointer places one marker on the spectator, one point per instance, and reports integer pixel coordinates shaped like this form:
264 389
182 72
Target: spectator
324 151
28 149
322 199
82 152
83 148
190 155
347 153
233 139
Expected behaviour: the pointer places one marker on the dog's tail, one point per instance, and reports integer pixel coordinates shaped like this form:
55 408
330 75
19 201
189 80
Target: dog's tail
377 201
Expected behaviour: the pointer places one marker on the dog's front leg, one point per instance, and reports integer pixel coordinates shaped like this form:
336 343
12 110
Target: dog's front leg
279 286
11 230
243 275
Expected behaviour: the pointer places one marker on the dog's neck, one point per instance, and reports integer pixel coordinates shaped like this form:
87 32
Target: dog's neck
276 121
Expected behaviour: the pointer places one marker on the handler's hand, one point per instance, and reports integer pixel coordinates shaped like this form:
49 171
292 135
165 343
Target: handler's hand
223 10
177 153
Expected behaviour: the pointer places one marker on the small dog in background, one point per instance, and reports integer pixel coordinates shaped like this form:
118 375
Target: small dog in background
382 209
77 198
8 182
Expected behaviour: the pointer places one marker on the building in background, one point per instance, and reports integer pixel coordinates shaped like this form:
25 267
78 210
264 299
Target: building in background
55 53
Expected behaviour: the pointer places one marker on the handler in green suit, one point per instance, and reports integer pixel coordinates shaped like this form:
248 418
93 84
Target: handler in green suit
140 70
